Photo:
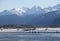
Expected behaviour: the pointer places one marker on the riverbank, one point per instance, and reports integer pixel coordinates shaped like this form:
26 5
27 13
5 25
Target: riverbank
27 30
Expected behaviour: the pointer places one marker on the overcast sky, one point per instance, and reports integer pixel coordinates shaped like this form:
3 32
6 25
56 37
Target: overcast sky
9 4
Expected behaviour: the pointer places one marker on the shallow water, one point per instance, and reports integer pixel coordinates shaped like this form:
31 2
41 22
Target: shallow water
29 36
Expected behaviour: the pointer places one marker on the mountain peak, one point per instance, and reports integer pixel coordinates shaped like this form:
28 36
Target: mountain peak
57 6
18 11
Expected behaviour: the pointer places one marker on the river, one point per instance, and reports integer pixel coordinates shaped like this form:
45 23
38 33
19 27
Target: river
16 36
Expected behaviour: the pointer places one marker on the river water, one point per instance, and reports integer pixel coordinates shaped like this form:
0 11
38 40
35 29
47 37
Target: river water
16 36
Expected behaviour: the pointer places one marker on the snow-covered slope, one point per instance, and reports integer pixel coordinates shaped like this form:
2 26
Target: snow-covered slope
18 11
54 8
23 11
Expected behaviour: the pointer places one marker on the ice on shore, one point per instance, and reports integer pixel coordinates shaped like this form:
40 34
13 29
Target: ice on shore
36 30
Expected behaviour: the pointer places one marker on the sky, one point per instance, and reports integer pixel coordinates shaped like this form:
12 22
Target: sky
9 4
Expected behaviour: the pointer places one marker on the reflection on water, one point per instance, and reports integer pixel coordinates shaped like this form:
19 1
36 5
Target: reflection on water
29 36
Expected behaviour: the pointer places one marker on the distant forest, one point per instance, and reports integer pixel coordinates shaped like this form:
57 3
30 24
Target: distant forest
26 26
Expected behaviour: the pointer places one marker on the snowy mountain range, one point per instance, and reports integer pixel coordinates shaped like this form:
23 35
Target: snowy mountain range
32 16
